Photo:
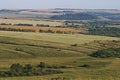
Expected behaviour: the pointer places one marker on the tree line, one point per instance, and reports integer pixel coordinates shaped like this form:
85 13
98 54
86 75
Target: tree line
76 16
21 24
17 29
105 31
30 70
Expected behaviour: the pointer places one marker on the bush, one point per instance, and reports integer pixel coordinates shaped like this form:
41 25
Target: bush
74 45
42 65
56 66
28 70
105 53
85 65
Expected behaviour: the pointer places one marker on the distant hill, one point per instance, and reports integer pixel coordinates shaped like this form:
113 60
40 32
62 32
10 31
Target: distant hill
77 16
72 14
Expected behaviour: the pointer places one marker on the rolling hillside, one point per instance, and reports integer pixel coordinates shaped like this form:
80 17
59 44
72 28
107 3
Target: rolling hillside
59 49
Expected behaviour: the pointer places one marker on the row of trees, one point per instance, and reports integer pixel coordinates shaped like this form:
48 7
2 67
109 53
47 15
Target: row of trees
42 25
16 29
41 30
29 70
21 24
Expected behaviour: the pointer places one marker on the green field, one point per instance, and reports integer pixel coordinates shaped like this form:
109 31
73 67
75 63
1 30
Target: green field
34 22
59 49
61 38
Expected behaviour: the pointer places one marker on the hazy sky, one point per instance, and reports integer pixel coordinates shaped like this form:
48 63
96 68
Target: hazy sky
82 4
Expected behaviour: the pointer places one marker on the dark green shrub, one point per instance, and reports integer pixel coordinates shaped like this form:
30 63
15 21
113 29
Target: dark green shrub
56 66
28 70
105 53
74 45
42 65
85 65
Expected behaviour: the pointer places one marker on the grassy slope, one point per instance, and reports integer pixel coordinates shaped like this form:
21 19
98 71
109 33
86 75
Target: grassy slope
24 48
61 38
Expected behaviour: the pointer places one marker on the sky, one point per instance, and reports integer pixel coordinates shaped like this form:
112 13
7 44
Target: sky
77 4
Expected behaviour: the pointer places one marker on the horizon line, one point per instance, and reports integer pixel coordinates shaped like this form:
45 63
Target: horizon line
67 8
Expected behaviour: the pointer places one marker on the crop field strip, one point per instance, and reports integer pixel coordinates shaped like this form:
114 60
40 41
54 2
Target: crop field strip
40 29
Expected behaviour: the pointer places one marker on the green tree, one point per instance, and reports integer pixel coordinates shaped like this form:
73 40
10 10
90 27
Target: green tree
42 65
16 69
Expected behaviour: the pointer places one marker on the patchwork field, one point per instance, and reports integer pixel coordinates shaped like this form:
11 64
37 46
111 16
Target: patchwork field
59 49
